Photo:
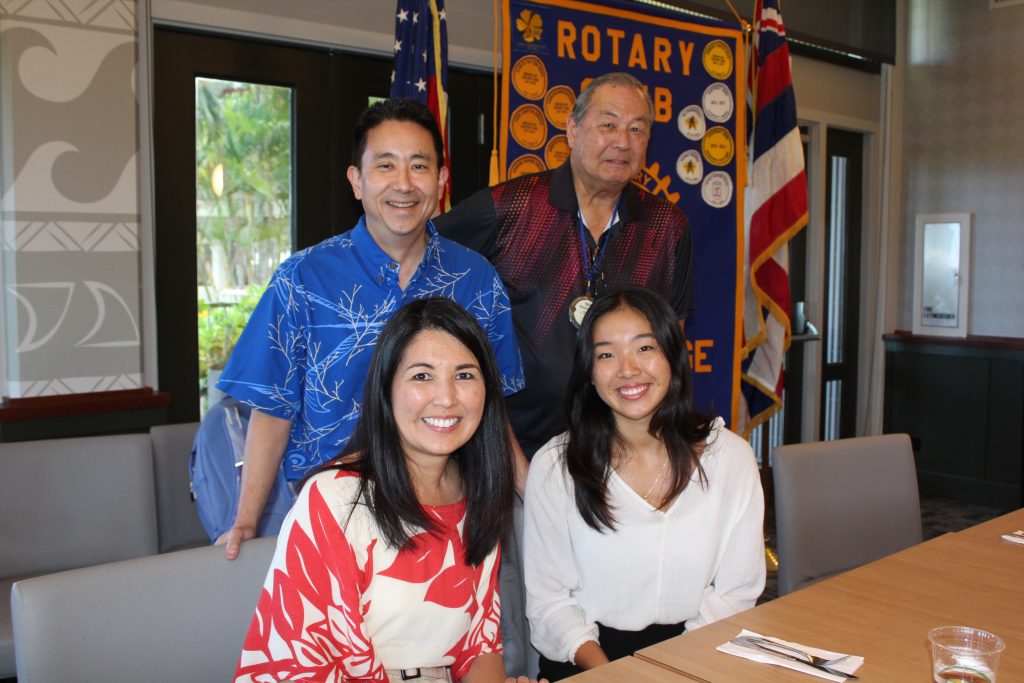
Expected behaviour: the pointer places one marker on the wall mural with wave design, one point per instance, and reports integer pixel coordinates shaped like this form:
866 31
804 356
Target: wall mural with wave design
70 268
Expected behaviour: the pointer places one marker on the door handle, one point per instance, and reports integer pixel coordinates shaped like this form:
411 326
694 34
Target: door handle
803 329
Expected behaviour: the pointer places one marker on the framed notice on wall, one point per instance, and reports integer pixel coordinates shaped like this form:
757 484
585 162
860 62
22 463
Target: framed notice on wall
942 274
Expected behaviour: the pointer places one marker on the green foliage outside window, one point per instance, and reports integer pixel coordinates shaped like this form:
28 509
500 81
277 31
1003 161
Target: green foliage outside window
243 205
219 327
244 230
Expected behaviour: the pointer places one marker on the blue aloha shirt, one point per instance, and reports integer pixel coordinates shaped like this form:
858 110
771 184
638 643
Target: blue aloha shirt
305 351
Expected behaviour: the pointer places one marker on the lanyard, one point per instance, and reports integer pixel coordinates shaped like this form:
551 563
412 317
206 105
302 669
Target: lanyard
590 268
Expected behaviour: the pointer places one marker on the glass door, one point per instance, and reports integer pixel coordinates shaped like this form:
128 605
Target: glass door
245 171
252 140
243 174
844 151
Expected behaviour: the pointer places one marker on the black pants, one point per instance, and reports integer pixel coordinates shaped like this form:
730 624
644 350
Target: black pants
616 644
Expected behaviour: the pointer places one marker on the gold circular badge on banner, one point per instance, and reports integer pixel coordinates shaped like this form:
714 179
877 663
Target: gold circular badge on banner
556 151
558 104
525 165
528 127
530 77
718 59
718 146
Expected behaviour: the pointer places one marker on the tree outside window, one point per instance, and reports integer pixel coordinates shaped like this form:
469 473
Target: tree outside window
243 206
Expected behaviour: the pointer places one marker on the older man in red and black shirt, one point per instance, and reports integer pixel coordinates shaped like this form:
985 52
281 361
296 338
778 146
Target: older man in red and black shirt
561 237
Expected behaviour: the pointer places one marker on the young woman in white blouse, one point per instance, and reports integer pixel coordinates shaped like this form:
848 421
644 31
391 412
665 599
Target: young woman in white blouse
644 519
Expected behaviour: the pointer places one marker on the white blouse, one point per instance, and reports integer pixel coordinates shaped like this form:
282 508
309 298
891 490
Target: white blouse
700 560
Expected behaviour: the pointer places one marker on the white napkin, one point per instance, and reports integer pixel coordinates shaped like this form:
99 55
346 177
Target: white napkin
848 665
1016 537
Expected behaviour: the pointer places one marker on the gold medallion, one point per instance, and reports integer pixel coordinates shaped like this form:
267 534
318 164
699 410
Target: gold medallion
530 77
718 146
718 59
558 104
557 151
525 165
578 309
528 127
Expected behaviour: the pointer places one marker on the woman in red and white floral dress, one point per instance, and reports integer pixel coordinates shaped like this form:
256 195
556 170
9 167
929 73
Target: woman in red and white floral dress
386 569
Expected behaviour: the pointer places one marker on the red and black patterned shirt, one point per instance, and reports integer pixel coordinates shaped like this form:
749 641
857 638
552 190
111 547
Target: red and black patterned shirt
529 229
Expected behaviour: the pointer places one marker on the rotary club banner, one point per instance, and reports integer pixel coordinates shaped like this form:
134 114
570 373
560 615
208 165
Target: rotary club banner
694 73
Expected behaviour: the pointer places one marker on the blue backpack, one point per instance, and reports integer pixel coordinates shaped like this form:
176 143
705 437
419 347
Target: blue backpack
215 472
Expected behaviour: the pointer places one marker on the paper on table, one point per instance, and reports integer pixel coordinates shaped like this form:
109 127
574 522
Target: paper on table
1016 537
848 665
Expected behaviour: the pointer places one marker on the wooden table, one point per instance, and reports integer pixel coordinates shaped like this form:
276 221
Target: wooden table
994 528
881 611
628 670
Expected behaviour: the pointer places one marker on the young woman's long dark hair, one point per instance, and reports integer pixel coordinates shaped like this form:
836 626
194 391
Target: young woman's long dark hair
485 461
593 439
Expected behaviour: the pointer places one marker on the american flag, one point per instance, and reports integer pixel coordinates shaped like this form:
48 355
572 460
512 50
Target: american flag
775 210
421 65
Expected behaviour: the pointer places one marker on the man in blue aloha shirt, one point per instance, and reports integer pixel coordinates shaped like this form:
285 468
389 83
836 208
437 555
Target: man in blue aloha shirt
301 361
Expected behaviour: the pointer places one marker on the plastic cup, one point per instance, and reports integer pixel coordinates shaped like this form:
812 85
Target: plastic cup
961 654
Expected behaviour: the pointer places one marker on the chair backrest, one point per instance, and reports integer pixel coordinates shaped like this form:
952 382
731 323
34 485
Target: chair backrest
841 504
177 517
175 617
68 503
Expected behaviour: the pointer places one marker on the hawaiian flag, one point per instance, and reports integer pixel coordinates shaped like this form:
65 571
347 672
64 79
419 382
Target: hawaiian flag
775 210
421 65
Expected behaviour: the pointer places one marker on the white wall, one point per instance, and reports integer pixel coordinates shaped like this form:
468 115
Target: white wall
841 91
963 148
359 25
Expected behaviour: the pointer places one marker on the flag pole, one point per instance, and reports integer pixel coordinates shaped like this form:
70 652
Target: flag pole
744 24
771 556
494 175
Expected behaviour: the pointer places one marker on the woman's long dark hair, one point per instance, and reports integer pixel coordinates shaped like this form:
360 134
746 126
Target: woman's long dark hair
593 438
485 461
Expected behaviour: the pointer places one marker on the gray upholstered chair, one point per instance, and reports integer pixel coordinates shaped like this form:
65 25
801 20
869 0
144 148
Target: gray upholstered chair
67 503
173 617
841 504
177 518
